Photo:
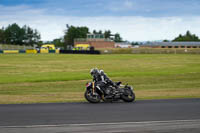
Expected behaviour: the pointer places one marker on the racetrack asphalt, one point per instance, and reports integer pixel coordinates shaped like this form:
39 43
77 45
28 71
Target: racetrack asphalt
63 114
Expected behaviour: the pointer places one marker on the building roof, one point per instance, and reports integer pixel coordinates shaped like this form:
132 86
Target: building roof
172 44
92 39
122 43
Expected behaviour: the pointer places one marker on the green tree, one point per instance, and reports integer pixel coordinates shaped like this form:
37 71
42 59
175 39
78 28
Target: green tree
36 36
94 32
73 32
187 37
59 42
134 43
31 36
40 43
107 34
14 34
2 35
166 40
100 32
117 38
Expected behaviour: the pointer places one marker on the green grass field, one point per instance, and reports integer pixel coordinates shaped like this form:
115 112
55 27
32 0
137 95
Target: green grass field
42 78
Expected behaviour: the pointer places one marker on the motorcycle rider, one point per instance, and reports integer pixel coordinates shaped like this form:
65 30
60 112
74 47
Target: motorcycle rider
101 79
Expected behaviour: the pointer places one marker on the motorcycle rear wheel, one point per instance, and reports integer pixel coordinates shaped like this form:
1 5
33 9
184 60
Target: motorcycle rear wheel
92 98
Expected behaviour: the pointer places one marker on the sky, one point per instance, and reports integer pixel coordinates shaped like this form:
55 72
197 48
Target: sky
135 20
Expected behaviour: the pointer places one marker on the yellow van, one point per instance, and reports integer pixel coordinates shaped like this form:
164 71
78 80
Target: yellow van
82 47
48 46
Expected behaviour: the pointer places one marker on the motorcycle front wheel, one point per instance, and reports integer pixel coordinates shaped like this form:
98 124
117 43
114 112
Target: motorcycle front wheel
128 96
92 98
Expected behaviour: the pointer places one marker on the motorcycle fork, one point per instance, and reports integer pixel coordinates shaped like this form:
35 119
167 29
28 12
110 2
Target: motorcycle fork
93 88
102 96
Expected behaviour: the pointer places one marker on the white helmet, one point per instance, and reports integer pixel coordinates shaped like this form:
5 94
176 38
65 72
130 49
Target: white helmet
94 71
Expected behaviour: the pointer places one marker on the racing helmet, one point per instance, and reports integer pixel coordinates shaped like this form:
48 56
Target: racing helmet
94 71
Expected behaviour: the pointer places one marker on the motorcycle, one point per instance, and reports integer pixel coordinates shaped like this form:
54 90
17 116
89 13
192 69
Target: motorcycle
110 93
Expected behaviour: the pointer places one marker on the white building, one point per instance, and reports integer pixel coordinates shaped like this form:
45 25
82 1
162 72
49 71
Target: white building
123 45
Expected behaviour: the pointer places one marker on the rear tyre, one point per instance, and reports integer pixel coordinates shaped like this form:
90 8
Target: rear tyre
128 96
92 98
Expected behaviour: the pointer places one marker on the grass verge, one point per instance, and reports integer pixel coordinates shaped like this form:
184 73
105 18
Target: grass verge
43 78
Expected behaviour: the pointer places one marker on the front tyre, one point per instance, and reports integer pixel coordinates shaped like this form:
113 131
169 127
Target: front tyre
92 98
128 96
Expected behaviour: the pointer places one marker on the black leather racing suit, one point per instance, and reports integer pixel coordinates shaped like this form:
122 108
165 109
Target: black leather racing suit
101 80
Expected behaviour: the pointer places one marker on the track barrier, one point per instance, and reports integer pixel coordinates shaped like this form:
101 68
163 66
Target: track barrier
44 51
79 52
10 51
22 51
31 51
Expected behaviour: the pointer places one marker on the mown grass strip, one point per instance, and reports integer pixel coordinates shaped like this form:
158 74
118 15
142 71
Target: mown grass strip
42 78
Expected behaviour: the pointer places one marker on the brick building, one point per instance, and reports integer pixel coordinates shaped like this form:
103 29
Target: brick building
96 41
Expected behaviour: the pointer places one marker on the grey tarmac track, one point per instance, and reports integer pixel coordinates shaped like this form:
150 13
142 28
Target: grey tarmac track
178 126
180 115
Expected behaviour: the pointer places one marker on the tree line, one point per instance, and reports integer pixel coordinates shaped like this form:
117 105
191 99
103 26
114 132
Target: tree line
25 35
16 35
188 37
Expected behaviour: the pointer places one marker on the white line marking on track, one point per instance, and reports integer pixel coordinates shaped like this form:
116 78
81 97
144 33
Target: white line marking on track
96 124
